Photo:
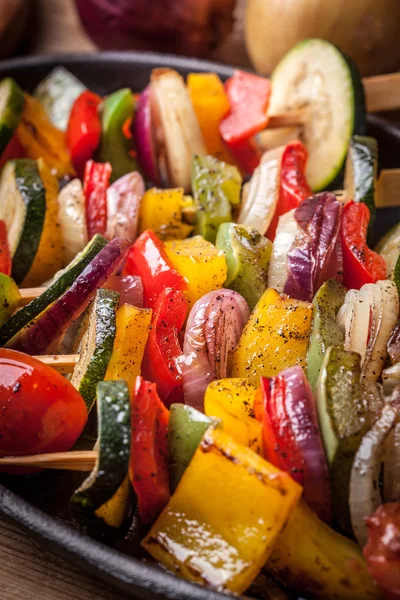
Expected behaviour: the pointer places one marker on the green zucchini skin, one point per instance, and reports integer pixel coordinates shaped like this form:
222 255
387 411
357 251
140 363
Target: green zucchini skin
343 420
361 173
11 107
33 193
96 346
114 442
54 291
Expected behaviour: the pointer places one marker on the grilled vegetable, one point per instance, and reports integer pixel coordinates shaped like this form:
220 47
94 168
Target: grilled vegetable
186 427
216 187
57 94
163 211
389 249
244 493
84 129
96 346
361 174
324 332
44 332
9 298
343 421
334 102
114 442
11 106
114 146
64 280
247 255
23 210
275 337
72 219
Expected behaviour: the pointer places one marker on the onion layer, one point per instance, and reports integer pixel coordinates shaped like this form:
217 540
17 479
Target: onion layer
129 287
143 132
72 220
123 205
213 329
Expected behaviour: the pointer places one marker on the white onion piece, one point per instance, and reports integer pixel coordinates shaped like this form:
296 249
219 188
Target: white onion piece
364 495
123 206
287 231
213 329
367 319
391 466
72 219
262 196
178 134
391 378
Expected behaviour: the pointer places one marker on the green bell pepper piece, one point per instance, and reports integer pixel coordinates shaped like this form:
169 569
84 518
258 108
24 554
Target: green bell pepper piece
114 146
247 255
9 297
216 188
343 420
186 427
325 332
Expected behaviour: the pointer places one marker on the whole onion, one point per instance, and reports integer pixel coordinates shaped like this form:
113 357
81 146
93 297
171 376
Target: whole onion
191 27
213 329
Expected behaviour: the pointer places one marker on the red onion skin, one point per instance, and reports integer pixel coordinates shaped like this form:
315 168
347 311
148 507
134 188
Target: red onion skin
292 439
191 27
143 133
316 255
129 287
214 326
130 189
49 327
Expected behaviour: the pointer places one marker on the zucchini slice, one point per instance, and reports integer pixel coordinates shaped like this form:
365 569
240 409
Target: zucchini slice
62 282
96 346
360 175
23 209
114 442
11 107
315 75
57 94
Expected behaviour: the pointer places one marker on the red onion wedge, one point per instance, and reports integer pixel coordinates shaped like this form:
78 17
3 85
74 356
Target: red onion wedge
123 205
144 137
262 194
393 345
129 287
365 497
367 319
292 438
306 250
213 329
178 134
43 334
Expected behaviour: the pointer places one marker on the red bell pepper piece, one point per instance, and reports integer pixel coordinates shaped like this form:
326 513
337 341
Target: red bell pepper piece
148 259
163 347
95 184
248 97
11 151
5 256
293 186
246 154
84 129
291 438
360 264
148 470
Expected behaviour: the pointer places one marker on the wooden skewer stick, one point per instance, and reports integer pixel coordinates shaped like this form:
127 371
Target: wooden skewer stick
82 460
64 363
29 294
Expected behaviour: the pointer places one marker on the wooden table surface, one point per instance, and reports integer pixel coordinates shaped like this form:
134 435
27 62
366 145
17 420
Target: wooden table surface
27 570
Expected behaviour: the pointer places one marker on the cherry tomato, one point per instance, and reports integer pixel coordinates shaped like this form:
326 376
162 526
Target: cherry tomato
40 410
382 551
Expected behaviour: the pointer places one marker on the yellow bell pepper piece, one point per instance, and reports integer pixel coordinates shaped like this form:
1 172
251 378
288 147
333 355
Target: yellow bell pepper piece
40 139
114 511
210 104
222 522
48 259
232 400
317 561
161 211
133 326
201 264
275 337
